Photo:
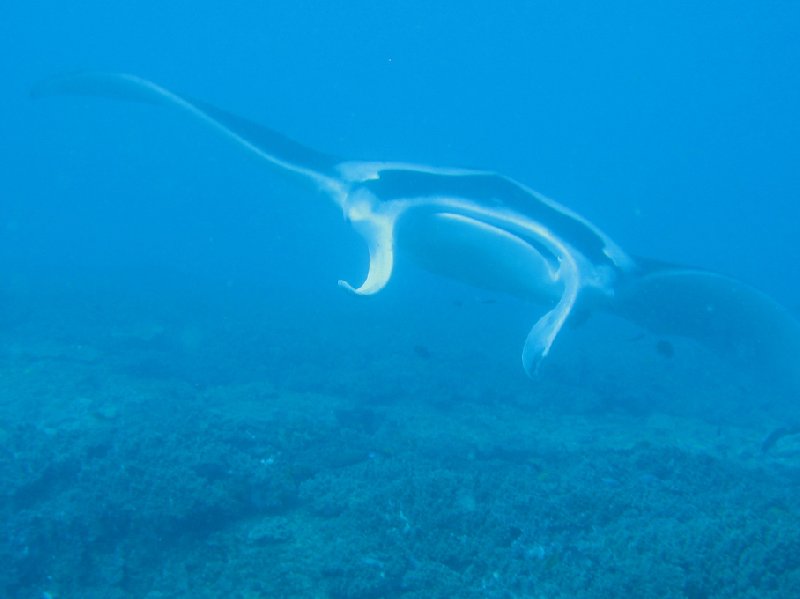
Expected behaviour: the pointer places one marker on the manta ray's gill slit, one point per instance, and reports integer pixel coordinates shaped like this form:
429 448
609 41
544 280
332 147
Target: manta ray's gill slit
487 188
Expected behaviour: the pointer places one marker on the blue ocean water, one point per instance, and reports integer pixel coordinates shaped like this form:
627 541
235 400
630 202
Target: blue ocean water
191 406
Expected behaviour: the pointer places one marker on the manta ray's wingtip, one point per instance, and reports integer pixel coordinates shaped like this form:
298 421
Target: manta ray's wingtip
119 85
56 85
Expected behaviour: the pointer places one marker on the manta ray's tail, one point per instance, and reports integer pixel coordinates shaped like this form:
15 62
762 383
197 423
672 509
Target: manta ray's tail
264 142
732 318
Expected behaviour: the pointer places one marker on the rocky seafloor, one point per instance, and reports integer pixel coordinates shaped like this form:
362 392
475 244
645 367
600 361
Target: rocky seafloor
157 459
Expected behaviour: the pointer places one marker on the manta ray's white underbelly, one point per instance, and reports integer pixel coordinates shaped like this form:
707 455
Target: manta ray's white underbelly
480 254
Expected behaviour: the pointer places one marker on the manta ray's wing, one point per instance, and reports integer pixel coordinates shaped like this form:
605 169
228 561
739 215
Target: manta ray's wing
264 142
732 318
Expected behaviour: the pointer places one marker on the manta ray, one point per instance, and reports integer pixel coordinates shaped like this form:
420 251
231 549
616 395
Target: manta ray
490 231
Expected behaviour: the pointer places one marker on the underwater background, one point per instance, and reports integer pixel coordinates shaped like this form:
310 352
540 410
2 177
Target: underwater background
191 407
